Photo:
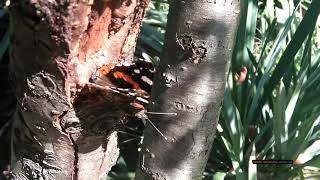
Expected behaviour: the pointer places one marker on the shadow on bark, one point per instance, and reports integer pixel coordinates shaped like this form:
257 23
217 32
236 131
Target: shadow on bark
190 83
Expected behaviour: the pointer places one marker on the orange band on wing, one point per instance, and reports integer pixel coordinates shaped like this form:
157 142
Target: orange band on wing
104 70
128 79
137 105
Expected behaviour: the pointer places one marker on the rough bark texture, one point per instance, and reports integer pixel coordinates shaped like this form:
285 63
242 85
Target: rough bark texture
64 126
190 82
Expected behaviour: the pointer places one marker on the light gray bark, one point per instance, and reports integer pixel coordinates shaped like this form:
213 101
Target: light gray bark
190 82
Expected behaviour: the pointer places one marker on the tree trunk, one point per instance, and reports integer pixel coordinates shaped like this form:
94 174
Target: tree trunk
189 82
64 126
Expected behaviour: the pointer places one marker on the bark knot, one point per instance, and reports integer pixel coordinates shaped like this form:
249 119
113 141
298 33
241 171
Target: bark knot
191 50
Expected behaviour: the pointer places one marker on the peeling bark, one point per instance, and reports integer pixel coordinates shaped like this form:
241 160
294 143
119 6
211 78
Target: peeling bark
190 82
65 127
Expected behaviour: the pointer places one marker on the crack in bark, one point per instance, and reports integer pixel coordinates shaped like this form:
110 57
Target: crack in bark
189 108
76 159
74 144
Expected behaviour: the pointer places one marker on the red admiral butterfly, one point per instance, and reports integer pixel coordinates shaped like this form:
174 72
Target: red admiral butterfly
135 80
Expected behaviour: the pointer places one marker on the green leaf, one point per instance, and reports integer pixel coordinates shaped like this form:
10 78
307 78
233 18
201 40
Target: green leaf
252 168
219 176
4 44
280 128
266 84
306 26
234 126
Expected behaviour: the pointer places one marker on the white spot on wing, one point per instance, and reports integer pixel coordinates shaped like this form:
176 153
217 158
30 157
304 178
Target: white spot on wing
132 94
152 70
142 100
147 80
137 71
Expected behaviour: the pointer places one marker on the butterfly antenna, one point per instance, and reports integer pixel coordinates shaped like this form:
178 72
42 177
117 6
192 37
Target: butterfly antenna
160 113
154 126
130 134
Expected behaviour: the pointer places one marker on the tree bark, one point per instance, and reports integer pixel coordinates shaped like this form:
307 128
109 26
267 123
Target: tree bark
65 127
189 82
